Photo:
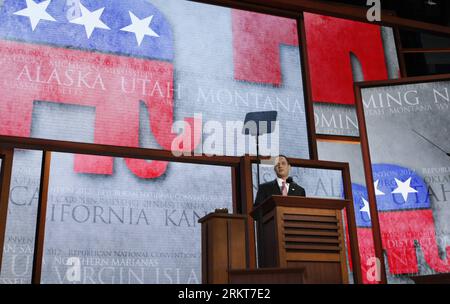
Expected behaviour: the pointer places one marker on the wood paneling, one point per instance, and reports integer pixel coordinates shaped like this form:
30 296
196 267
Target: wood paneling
320 272
247 206
338 139
223 246
268 276
41 216
393 82
305 236
425 51
376 230
441 278
5 182
307 89
291 8
351 222
115 151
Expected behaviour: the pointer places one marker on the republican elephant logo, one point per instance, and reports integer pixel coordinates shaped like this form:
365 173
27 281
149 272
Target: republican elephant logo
406 221
108 55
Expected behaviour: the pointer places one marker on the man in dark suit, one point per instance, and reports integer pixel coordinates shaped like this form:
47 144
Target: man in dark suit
282 185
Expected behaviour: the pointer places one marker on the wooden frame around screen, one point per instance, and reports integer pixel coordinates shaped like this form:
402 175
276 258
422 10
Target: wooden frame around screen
358 87
5 181
241 175
291 8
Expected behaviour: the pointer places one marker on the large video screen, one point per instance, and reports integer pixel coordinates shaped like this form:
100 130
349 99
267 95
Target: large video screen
407 127
162 74
358 51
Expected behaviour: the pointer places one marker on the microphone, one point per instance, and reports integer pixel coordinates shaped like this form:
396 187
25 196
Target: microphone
289 180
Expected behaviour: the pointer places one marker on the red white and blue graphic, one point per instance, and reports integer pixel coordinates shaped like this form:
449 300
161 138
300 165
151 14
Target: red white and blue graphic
113 56
126 71
134 28
110 55
406 220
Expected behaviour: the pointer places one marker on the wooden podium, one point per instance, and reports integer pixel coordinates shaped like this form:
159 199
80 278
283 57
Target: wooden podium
300 240
303 232
225 255
223 246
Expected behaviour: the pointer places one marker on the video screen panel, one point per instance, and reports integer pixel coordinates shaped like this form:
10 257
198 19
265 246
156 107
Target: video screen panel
356 51
164 74
407 127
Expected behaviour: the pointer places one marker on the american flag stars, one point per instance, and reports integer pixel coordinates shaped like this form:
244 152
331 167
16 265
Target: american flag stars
91 20
402 188
36 12
140 28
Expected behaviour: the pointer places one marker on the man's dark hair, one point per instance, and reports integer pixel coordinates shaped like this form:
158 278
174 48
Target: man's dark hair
285 157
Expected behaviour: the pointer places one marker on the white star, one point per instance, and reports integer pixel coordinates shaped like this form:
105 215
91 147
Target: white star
36 12
140 27
377 191
404 188
90 20
365 208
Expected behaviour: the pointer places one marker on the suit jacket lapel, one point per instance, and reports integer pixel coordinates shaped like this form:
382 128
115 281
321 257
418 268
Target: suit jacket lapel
292 188
276 189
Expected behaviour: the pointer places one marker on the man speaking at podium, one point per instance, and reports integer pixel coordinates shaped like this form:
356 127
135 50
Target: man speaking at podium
282 185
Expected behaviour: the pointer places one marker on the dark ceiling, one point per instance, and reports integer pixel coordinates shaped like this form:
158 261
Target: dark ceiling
432 11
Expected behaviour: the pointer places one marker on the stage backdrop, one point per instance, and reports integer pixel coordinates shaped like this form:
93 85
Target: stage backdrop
148 74
140 74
